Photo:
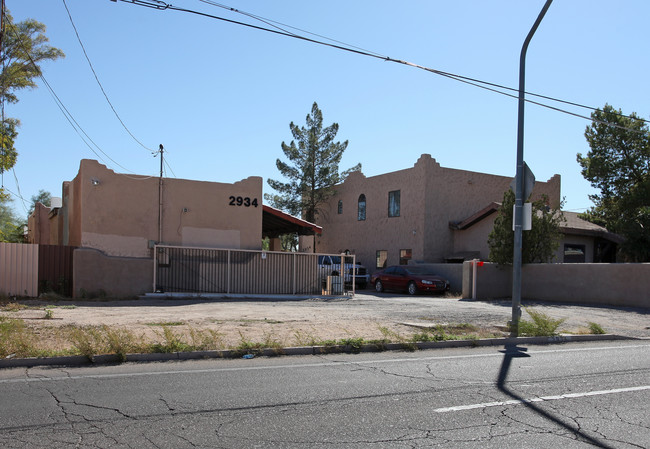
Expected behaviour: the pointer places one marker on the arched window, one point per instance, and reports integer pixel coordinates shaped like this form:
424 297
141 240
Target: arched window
340 207
361 213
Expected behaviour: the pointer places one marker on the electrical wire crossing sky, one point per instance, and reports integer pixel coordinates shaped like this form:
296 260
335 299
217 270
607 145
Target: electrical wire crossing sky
218 84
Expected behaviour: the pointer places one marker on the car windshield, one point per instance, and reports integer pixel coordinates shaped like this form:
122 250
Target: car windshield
421 271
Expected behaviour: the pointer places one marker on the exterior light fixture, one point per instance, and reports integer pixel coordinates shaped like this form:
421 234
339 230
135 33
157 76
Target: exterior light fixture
94 181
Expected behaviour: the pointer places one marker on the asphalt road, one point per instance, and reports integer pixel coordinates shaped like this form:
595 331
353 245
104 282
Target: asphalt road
569 395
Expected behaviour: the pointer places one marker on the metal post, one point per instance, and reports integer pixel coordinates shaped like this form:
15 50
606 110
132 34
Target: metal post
519 181
160 196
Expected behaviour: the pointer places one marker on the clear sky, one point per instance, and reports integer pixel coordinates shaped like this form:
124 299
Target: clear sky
220 96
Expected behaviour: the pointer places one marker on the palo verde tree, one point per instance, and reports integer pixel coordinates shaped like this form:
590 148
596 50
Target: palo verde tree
24 49
618 165
539 244
312 170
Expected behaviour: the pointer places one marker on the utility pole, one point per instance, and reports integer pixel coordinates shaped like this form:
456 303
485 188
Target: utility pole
161 150
519 181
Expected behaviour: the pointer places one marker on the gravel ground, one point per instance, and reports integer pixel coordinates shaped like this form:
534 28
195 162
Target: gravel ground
367 315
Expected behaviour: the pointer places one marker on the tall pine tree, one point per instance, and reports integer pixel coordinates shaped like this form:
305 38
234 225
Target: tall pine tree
312 170
618 165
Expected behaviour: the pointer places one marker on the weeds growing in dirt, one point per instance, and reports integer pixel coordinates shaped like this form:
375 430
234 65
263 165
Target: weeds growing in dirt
15 340
595 328
541 326
12 306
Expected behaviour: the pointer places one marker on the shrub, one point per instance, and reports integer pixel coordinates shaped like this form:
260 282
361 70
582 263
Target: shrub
541 326
595 328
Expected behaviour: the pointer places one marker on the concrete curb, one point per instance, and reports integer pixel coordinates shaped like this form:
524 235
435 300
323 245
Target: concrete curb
110 359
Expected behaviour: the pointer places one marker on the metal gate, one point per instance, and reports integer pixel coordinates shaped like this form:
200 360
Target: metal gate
55 264
230 271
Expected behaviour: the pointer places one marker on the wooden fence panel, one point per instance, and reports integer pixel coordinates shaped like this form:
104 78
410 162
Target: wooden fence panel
18 269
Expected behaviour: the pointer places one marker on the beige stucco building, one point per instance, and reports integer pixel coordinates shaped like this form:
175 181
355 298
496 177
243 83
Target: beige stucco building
124 215
409 214
115 220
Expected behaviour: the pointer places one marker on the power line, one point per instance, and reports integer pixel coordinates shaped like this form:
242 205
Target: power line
161 6
439 72
99 83
169 166
20 195
271 22
66 113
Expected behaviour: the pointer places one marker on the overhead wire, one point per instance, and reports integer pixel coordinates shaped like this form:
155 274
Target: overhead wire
83 48
20 195
439 72
70 118
169 167
279 25
159 5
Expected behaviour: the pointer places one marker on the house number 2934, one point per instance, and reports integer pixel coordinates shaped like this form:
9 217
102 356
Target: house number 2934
242 201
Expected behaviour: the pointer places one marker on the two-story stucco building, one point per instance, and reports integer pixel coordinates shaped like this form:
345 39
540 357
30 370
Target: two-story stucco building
408 214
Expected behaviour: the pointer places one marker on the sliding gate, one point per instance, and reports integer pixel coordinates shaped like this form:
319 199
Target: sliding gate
230 271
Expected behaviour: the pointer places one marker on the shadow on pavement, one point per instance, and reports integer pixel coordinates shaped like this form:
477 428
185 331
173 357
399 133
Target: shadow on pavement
513 351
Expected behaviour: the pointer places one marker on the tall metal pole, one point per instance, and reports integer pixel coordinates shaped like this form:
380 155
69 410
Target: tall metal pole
519 181
160 196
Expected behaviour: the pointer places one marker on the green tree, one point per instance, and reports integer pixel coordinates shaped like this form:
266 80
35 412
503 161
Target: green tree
312 170
618 165
539 244
10 225
24 49
43 196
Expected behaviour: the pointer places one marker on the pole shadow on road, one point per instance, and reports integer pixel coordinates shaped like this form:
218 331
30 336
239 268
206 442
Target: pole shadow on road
513 351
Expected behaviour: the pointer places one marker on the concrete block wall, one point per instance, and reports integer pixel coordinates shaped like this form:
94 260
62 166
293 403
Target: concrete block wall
626 285
96 274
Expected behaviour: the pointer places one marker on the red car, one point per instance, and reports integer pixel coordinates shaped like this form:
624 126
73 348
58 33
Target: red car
412 279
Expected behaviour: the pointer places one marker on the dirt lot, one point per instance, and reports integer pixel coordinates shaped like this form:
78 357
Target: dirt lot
298 322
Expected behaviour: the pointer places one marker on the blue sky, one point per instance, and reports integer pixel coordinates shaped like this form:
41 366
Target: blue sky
220 96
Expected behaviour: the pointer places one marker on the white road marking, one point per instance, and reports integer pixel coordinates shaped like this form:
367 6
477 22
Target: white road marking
540 399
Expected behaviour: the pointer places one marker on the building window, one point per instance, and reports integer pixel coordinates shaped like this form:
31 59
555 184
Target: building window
393 203
574 253
361 214
404 256
382 258
340 207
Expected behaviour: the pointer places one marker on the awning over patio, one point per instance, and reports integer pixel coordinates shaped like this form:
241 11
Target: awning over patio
276 223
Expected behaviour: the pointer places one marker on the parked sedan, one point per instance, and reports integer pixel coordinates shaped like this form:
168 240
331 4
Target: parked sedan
412 279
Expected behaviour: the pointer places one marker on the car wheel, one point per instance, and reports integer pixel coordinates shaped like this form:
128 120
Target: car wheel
379 286
412 288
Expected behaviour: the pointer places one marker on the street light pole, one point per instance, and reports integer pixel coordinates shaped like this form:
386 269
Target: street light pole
519 181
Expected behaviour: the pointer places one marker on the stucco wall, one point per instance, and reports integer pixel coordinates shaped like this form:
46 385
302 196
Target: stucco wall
38 225
430 195
97 275
606 284
475 237
118 213
453 272
588 242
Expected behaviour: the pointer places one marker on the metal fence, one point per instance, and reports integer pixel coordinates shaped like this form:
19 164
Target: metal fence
18 269
29 270
230 271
